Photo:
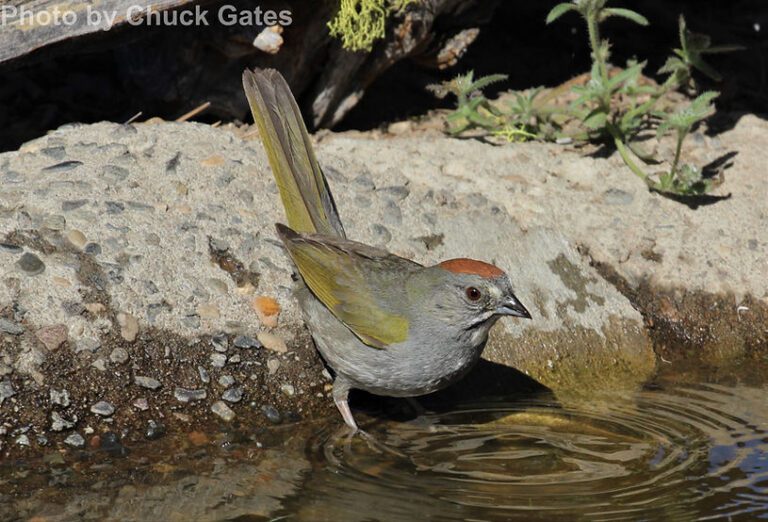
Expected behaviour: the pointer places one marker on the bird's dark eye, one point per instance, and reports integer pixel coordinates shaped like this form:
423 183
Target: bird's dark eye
473 294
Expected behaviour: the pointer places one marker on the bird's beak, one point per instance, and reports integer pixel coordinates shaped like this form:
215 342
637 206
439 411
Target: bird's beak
513 307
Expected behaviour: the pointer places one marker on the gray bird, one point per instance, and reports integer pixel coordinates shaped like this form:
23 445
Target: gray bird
383 323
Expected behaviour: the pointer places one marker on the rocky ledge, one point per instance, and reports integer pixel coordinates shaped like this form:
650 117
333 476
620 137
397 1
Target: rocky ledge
142 289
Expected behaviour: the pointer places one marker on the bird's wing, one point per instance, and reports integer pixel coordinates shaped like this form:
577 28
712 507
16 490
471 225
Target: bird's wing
350 279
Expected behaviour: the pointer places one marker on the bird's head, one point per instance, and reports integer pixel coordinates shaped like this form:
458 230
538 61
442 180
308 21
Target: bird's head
470 294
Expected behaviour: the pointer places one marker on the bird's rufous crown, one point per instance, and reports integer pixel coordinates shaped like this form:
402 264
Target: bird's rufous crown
463 265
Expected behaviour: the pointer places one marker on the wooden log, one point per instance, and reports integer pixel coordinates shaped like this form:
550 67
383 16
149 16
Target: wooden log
28 25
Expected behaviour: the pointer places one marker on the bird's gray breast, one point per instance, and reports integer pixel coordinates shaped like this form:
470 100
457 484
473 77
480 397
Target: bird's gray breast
427 361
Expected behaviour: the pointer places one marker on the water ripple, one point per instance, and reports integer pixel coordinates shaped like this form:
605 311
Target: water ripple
696 453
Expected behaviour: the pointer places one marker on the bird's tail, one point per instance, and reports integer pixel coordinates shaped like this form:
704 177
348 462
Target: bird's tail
308 202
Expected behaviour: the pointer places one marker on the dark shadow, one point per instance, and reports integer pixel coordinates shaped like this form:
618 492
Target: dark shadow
486 382
719 165
713 169
693 202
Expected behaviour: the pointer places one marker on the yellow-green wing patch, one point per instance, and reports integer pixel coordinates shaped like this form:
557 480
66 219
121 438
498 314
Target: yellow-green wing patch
337 277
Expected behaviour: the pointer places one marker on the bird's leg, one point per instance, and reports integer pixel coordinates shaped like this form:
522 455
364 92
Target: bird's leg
340 394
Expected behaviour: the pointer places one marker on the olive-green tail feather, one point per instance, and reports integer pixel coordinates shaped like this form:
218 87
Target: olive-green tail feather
308 202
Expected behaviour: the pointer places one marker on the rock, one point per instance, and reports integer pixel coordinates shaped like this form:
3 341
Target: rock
70 205
244 341
220 342
10 248
10 327
400 127
269 40
221 409
118 355
233 394
76 238
54 222
191 321
95 308
30 264
226 381
59 397
53 336
59 423
29 361
219 245
75 440
218 360
381 234
267 309
154 430
272 342
271 413
208 311
141 404
22 440
93 249
129 326
111 444
103 408
518 208
203 374
147 382
615 196
288 389
87 344
6 390
186 395
100 364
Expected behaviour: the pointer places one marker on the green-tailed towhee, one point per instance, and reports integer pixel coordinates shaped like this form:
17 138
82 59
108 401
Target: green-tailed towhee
383 323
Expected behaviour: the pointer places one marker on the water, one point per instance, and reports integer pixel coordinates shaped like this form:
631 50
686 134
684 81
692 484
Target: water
681 453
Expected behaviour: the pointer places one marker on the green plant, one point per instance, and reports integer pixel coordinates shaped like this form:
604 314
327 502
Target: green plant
598 109
595 104
690 55
524 119
612 107
531 118
359 23
681 179
473 109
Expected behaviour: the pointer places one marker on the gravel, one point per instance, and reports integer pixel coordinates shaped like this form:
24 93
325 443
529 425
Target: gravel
103 408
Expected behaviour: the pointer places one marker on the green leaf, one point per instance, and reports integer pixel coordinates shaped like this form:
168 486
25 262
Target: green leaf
559 10
705 68
624 13
720 49
628 74
596 119
485 81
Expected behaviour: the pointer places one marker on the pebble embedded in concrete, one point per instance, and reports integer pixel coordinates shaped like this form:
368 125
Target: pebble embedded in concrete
218 360
30 264
233 394
147 382
59 423
103 408
10 327
75 440
186 395
59 396
118 355
221 409
226 381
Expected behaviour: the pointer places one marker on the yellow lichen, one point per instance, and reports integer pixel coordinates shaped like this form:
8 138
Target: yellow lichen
359 23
